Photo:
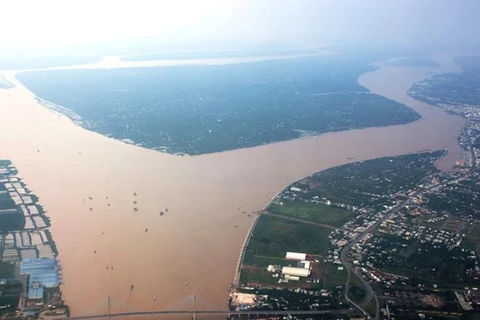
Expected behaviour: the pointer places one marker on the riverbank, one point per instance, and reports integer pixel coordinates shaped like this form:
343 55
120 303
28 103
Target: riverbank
196 241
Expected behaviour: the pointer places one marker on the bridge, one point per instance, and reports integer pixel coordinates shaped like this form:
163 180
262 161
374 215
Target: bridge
247 314
192 299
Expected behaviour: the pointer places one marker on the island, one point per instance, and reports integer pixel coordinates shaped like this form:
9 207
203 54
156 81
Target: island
199 109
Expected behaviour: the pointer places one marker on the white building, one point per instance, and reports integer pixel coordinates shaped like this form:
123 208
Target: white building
296 256
306 264
298 272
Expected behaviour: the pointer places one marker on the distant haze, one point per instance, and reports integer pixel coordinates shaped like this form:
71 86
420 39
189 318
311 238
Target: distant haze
83 26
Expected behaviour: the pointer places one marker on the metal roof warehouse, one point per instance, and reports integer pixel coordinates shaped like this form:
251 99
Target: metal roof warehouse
43 273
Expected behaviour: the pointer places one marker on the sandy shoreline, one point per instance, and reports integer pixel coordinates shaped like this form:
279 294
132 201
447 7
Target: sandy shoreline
196 241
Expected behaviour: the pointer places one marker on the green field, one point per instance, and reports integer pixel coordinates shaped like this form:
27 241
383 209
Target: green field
475 231
333 276
472 240
265 261
357 293
320 213
470 243
371 307
257 274
273 237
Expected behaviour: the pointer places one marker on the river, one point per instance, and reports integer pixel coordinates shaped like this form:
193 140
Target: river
194 247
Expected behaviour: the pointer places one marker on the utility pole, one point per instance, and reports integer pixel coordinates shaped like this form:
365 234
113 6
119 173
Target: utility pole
194 316
108 304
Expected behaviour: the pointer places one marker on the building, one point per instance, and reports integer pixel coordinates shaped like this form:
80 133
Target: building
304 264
296 256
43 273
298 272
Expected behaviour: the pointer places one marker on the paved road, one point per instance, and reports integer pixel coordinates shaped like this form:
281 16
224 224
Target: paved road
350 269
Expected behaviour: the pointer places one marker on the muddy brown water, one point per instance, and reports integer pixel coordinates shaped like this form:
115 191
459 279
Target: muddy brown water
195 246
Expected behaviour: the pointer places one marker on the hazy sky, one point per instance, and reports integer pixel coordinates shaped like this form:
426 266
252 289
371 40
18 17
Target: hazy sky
35 23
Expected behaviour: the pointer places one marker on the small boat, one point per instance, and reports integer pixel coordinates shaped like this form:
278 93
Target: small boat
154 298
131 287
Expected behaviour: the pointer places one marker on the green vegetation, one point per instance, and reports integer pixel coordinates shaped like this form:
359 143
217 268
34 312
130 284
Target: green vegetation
423 220
9 298
472 244
204 109
334 277
452 88
345 188
371 307
475 232
6 201
51 242
357 293
368 182
257 275
320 213
273 237
7 270
265 261
472 239
460 199
424 261
414 62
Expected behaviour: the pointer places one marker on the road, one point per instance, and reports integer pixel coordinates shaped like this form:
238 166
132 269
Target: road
343 255
369 291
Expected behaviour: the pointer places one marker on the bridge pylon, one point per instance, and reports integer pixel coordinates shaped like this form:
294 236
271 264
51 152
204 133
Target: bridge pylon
194 315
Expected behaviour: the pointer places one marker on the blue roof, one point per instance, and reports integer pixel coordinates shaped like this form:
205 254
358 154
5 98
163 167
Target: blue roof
43 273
35 293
